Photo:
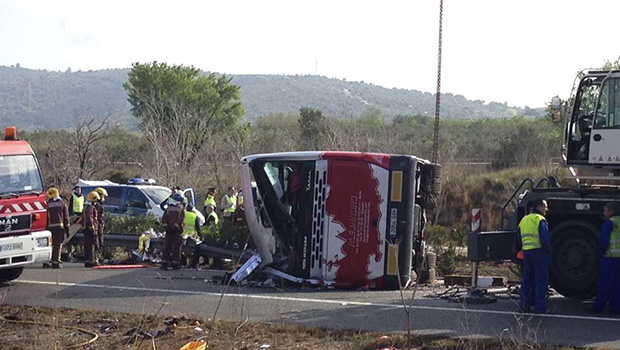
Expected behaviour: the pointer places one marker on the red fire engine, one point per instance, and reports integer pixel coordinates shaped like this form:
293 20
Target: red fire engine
24 239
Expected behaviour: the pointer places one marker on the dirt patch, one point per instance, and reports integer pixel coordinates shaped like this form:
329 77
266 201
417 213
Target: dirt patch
55 328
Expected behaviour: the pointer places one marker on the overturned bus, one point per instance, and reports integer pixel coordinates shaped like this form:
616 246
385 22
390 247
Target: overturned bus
343 218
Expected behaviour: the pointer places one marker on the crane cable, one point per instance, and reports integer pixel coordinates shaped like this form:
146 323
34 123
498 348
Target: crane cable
438 95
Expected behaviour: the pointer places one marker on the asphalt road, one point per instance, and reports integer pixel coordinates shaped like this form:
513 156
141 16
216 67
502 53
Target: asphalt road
192 292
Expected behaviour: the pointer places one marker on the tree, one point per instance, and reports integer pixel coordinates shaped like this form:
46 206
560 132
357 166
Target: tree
88 133
179 110
314 128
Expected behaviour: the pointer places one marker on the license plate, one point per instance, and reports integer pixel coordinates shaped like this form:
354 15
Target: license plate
12 246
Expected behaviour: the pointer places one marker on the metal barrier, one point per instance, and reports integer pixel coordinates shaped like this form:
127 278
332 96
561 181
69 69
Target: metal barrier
131 242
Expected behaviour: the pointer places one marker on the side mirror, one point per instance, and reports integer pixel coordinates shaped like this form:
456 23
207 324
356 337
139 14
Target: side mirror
556 109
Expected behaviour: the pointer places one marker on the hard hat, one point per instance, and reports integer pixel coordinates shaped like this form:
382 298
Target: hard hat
177 197
93 197
52 192
101 191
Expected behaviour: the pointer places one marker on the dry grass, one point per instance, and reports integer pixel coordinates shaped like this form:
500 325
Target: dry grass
126 331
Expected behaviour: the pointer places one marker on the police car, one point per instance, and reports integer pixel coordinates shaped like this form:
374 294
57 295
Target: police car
137 197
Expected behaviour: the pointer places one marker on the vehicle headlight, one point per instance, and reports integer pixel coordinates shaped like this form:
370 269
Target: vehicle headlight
43 242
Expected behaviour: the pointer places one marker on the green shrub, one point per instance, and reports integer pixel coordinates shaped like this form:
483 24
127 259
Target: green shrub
130 225
226 234
446 263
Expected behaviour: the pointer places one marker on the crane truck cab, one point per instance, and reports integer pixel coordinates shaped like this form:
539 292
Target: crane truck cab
24 239
592 134
350 219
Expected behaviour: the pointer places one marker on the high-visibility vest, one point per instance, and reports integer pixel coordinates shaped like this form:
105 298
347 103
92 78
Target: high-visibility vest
613 250
143 243
78 204
213 215
190 224
232 204
210 200
530 236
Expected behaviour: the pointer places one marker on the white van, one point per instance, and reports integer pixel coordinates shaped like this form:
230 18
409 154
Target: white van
135 199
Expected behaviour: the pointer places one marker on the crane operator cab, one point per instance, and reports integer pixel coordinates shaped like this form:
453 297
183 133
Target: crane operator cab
592 134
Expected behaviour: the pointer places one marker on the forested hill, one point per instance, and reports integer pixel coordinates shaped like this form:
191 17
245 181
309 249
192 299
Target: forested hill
40 99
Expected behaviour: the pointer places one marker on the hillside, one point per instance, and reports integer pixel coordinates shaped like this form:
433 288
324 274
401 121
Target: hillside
40 99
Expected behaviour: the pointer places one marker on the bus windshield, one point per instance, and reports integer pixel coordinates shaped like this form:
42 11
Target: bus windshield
19 174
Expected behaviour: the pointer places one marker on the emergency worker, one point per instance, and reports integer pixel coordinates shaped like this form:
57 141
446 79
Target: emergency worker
192 233
229 204
210 199
608 291
180 191
174 223
100 218
212 218
57 223
89 227
536 243
192 224
168 201
76 202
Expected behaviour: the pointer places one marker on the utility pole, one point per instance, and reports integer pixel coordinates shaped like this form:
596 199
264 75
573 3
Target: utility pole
316 65
29 96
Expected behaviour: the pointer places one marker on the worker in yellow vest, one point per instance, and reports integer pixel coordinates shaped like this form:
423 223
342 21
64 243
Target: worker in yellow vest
76 202
229 204
608 290
536 243
191 233
192 224
212 218
210 199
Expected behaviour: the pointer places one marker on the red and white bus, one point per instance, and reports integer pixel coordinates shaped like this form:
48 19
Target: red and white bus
351 219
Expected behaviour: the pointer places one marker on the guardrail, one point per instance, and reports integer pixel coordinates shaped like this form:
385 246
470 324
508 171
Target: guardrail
131 242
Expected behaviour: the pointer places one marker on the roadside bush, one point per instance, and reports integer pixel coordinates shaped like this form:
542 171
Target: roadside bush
226 234
446 263
131 225
445 241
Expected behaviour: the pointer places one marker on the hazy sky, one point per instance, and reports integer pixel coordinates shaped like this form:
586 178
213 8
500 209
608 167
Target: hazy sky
522 52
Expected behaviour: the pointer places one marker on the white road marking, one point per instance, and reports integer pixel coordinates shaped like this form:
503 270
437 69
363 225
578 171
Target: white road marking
317 301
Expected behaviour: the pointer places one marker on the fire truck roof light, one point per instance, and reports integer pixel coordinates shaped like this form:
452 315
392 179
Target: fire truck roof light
10 133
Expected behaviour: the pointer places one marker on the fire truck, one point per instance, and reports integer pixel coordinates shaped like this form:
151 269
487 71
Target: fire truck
346 219
591 152
24 239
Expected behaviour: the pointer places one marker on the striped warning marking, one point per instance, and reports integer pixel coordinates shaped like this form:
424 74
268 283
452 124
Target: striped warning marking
476 220
21 207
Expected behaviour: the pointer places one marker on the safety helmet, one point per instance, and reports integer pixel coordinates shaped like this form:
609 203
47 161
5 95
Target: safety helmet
177 197
93 197
101 191
52 192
